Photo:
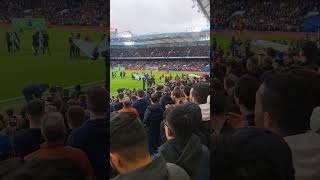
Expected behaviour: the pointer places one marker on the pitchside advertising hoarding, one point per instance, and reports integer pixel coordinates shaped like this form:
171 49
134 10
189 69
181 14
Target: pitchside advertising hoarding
28 23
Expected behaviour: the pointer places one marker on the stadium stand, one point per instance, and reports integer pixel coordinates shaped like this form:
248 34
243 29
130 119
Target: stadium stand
266 15
59 12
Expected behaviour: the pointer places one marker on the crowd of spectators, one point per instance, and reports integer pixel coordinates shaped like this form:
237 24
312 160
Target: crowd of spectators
183 51
265 15
88 12
254 114
60 135
162 65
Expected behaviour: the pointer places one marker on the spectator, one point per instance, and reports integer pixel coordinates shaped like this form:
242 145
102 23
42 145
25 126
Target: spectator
245 92
119 104
75 118
141 104
252 153
284 105
177 95
26 141
49 170
128 137
152 119
183 147
166 98
92 137
199 94
53 130
128 108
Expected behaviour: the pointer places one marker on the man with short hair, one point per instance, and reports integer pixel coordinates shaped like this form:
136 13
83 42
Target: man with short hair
245 94
152 119
119 104
183 147
284 105
53 130
75 118
199 94
28 140
129 154
128 108
176 95
93 137
141 104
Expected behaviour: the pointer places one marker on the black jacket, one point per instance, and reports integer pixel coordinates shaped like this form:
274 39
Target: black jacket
153 115
191 155
158 169
165 100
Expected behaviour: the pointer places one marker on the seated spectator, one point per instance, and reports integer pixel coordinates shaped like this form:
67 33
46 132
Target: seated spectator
152 119
53 130
141 104
26 141
183 147
284 105
252 153
129 154
48 170
245 95
93 137
128 108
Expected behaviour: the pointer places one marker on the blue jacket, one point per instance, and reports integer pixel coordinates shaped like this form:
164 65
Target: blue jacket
93 138
141 106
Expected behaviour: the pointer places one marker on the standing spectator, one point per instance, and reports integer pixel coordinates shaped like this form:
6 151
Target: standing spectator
199 94
93 137
245 93
129 154
152 119
183 147
128 108
28 140
53 130
284 105
141 104
75 118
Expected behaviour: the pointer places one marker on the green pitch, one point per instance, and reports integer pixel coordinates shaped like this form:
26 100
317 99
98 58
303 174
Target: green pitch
22 68
129 83
224 39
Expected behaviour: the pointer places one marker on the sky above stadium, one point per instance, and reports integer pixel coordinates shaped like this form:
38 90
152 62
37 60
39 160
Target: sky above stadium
155 16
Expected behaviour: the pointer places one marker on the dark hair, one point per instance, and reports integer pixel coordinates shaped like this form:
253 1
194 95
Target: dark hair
186 90
127 136
140 93
246 155
121 96
200 91
177 92
97 99
287 99
246 89
180 123
76 115
35 108
49 170
154 98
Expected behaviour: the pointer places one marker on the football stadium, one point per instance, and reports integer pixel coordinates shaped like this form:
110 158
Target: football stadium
142 61
50 46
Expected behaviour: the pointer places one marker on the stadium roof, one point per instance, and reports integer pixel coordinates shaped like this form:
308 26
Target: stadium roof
204 5
164 38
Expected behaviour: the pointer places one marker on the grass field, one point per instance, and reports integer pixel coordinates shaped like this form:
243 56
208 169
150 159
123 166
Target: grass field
224 39
18 70
130 84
